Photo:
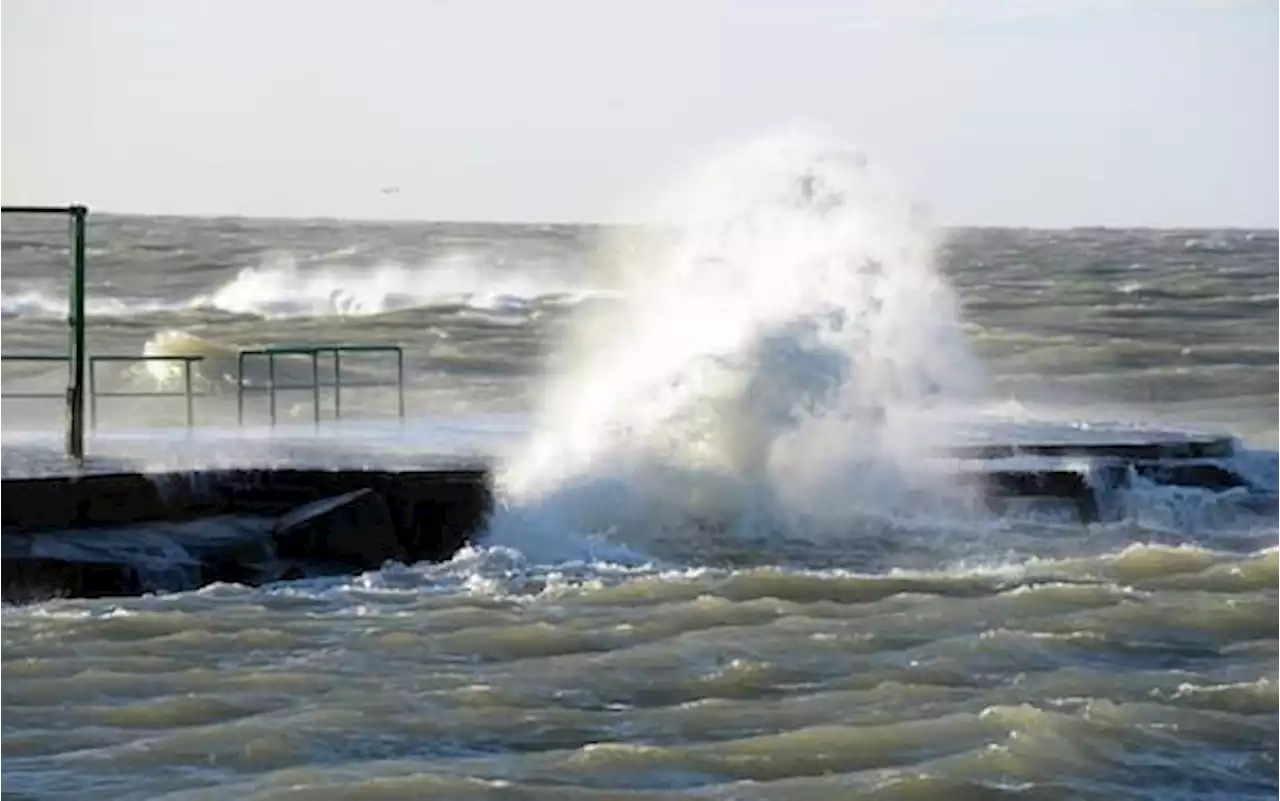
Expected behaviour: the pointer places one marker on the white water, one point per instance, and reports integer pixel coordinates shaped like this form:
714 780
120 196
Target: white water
772 360
50 304
219 367
282 289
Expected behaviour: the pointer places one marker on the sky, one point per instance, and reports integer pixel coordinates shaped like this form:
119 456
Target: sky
990 112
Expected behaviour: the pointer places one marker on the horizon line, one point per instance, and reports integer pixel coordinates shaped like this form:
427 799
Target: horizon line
376 220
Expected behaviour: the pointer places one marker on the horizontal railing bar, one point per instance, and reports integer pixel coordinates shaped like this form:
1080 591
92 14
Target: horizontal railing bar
251 389
33 395
101 394
321 385
191 358
50 357
44 209
284 352
146 358
302 350
363 348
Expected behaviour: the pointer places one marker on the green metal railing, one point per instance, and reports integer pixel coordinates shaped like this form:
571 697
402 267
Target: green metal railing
187 394
94 393
82 368
314 352
75 394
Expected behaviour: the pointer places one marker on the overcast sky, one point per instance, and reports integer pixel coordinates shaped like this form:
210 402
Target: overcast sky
1044 112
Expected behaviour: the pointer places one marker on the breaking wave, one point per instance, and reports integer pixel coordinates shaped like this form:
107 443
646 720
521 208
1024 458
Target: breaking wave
769 362
282 289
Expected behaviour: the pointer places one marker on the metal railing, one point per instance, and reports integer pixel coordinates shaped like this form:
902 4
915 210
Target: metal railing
36 358
94 393
314 352
189 395
186 392
74 396
81 367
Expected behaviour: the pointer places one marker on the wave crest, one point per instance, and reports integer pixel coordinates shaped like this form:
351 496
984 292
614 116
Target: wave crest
767 360
282 289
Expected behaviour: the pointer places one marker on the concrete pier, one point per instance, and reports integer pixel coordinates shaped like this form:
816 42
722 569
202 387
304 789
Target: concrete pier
291 521
127 533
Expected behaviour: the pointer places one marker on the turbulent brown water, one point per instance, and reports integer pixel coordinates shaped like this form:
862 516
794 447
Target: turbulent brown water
890 656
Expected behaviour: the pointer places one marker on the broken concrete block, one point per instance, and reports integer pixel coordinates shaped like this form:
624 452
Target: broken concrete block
354 529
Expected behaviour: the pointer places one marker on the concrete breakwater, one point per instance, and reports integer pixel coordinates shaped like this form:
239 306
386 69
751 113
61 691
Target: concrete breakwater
97 535
127 533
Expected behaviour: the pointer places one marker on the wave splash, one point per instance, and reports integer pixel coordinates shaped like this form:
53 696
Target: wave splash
766 366
283 289
52 305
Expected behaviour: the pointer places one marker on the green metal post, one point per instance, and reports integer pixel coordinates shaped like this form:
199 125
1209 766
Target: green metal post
186 389
400 380
76 355
240 388
337 383
93 394
75 384
315 386
271 384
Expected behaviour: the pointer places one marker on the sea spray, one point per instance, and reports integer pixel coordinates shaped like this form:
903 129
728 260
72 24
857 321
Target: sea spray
770 361
281 288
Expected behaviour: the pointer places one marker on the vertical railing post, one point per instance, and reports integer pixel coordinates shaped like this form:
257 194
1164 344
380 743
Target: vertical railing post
337 384
400 379
186 388
75 384
76 350
93 394
240 388
271 385
315 385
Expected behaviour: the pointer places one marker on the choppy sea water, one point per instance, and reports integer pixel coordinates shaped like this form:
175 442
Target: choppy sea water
884 652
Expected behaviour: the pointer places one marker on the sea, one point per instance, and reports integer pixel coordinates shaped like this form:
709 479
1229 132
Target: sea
726 561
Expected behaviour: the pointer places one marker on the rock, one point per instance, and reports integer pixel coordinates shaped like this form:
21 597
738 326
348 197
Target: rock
353 529
124 534
1196 474
40 578
230 549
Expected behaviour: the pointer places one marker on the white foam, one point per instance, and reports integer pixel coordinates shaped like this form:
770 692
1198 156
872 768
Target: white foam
53 305
281 289
769 358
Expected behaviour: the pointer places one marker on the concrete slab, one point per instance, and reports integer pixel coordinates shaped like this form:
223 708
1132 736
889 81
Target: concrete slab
349 497
121 523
